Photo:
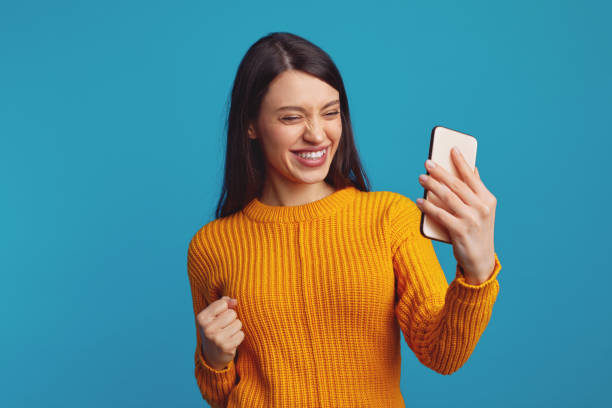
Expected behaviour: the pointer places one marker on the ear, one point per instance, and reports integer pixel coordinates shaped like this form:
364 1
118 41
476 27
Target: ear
251 132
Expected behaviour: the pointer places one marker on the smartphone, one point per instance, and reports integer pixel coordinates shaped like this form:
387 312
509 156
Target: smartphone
442 141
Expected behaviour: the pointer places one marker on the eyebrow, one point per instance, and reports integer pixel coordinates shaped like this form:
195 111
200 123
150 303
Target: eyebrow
302 109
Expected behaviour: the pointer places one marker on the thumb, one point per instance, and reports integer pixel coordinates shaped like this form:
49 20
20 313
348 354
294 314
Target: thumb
230 301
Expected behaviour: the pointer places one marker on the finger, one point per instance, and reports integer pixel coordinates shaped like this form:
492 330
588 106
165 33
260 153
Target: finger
435 200
231 302
225 329
485 191
455 184
231 337
449 198
233 327
471 177
222 321
227 317
439 215
213 310
237 338
464 169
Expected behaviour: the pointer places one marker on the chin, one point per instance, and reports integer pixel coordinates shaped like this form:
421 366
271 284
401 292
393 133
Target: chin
314 178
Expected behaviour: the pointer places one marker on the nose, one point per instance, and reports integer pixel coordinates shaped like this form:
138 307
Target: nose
314 131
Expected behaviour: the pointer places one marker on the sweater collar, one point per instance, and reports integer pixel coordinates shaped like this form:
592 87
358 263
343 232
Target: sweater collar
325 206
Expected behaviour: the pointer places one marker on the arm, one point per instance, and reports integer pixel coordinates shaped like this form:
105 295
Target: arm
215 384
441 323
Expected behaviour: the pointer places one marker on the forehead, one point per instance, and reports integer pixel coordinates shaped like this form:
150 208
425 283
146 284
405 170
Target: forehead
298 88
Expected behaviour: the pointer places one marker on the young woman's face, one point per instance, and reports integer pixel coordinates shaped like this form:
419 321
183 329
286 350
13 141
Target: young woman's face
298 112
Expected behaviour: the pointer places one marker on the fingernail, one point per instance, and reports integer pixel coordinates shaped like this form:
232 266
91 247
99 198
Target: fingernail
430 164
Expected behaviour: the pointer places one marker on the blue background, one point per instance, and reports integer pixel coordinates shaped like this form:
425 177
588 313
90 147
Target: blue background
112 149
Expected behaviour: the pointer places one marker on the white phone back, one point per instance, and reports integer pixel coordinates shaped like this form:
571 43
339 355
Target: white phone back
440 145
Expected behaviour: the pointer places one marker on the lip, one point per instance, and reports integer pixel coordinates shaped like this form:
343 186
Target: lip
312 163
311 149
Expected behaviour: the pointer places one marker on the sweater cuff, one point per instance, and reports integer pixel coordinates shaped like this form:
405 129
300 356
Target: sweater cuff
475 294
211 369
215 385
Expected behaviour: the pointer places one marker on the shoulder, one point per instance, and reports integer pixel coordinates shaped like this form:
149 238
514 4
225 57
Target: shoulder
399 213
204 241
391 203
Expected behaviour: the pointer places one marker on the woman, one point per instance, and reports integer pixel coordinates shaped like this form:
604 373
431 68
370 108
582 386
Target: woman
302 283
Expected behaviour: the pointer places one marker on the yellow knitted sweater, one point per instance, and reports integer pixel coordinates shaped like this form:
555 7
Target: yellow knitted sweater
323 290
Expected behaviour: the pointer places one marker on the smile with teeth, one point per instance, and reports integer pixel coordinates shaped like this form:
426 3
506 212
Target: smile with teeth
312 156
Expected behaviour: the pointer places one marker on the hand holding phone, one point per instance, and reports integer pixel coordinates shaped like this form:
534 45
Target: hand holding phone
440 145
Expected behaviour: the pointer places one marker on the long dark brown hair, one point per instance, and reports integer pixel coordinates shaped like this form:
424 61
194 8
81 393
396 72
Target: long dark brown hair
244 160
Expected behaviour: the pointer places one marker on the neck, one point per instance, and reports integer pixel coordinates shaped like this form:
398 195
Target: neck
313 210
286 193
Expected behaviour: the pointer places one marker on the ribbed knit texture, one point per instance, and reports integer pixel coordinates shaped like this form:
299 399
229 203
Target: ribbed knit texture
323 290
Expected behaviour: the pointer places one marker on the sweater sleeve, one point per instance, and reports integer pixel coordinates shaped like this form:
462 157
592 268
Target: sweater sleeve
215 385
441 323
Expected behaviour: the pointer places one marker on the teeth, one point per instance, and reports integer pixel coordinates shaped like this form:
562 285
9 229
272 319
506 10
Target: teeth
309 155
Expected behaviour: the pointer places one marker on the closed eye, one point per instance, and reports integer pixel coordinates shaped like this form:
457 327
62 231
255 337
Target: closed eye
297 117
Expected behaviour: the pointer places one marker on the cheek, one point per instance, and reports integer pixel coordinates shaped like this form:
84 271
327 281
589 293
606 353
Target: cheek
335 128
334 132
281 138
277 140
277 151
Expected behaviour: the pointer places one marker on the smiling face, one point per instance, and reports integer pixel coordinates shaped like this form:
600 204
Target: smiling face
298 112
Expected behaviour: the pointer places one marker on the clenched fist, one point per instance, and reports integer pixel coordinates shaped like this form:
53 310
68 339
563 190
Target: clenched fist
220 332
